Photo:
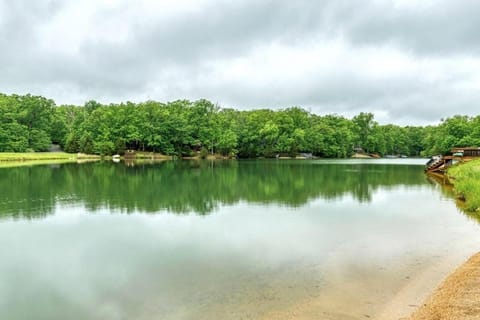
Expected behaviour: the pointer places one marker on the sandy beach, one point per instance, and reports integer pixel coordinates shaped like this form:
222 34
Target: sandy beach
431 295
458 297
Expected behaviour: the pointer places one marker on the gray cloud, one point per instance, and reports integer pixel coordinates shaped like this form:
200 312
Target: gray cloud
137 52
440 28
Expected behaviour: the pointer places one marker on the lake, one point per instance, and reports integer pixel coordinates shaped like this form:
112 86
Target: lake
253 239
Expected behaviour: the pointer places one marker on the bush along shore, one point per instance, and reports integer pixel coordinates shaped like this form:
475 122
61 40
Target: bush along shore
466 180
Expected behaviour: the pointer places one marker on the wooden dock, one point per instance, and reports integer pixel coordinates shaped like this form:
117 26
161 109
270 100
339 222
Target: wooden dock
441 163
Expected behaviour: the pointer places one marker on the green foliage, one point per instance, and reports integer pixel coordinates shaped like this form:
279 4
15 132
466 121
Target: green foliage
13 137
364 126
184 127
71 144
203 153
457 131
103 147
86 144
39 140
25 123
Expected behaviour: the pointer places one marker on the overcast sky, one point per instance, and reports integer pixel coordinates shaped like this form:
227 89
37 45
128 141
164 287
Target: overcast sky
409 62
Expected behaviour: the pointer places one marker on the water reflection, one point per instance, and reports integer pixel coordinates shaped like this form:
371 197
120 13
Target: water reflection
288 240
446 187
193 186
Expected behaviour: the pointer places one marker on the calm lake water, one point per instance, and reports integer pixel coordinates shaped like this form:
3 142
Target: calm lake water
223 240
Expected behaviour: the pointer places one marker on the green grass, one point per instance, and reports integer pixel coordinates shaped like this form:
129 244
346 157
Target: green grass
25 156
149 155
15 159
466 180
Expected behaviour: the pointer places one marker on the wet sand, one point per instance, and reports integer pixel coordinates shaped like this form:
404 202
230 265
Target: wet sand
458 297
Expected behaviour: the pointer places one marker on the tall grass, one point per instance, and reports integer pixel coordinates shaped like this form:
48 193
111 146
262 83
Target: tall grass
466 179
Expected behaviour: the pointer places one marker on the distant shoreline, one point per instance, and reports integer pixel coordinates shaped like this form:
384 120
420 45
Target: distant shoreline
9 160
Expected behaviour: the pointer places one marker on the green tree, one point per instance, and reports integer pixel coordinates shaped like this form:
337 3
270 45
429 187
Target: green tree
364 125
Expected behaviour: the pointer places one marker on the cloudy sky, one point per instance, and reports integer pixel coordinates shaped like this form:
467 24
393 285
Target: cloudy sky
409 62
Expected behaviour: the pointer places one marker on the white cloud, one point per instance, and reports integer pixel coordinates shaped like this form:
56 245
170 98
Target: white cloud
408 61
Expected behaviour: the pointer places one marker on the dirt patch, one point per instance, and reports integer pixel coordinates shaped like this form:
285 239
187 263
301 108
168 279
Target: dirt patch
458 297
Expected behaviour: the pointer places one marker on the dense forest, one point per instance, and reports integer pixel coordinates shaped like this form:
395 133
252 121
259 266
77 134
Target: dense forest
185 128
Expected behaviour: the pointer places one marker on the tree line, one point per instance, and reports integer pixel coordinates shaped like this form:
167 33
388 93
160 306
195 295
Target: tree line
186 128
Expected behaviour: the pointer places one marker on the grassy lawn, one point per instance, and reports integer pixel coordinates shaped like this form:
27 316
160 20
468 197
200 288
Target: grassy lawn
25 156
13 159
466 179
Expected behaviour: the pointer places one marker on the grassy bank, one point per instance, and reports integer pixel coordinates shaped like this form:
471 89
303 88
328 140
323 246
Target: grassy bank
29 156
11 159
466 179
151 155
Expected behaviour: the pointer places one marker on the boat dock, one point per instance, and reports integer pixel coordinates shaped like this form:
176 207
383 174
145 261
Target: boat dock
440 163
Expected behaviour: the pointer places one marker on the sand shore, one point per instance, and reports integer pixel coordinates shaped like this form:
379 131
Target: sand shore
458 297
